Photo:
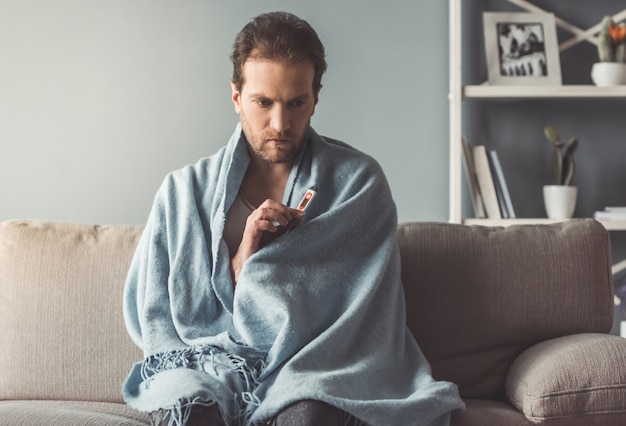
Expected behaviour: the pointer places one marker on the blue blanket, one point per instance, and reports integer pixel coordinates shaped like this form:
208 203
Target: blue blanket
318 313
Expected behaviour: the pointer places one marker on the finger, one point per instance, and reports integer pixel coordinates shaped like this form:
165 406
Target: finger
272 217
296 214
287 212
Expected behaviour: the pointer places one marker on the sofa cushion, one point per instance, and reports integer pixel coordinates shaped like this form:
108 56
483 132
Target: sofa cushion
61 290
482 412
571 380
69 413
478 296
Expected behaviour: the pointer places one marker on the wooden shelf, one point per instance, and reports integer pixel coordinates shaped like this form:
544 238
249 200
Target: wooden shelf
610 225
458 92
543 92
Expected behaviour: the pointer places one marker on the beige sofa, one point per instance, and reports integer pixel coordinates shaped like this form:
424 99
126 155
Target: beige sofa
517 317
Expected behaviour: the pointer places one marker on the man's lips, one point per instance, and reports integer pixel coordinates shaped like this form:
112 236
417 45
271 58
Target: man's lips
280 141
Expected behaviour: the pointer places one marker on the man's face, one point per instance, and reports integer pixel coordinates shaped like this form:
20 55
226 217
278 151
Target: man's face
275 106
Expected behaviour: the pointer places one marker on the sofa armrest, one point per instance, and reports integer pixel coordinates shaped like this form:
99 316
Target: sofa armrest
558 381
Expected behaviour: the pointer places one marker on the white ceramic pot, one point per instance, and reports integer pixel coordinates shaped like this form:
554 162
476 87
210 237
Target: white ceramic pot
608 73
560 201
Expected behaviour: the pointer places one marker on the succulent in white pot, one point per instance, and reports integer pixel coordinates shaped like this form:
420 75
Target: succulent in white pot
560 196
611 70
563 163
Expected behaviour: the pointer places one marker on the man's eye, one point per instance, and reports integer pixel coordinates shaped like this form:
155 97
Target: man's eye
297 103
264 102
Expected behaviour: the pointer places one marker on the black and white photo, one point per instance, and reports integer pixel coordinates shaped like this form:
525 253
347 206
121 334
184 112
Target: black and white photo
521 48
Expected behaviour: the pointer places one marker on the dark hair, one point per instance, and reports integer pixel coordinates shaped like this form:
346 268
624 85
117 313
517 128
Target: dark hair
278 36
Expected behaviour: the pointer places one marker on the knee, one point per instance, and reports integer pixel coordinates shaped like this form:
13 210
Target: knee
309 413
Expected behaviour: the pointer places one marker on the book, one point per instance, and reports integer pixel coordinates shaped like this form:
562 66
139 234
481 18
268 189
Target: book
486 182
501 203
506 204
470 174
609 215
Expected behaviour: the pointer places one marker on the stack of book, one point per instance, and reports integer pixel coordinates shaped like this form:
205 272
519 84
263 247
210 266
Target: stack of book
611 213
488 189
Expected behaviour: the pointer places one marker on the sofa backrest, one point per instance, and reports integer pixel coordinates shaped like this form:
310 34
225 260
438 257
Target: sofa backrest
63 335
478 296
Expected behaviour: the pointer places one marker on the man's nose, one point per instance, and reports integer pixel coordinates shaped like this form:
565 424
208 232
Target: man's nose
280 120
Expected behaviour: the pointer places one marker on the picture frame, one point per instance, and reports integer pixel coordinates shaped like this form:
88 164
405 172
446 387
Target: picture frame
521 48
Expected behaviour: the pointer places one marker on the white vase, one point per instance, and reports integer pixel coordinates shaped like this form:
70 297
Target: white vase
608 73
560 201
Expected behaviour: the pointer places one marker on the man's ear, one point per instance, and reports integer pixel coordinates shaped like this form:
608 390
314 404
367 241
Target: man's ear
236 97
317 94
316 98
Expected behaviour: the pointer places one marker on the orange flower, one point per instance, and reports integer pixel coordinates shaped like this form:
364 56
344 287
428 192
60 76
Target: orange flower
618 32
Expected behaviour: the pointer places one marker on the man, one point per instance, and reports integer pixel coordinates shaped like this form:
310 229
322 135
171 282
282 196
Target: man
242 323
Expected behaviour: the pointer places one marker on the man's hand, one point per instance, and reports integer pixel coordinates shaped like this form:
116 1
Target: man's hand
270 217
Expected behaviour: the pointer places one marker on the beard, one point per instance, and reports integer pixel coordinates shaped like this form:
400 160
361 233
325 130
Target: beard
262 145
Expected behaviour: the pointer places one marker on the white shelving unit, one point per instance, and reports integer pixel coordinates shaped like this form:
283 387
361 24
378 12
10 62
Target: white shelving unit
458 93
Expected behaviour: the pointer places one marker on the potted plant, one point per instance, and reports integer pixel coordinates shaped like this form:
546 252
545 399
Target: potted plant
560 196
611 70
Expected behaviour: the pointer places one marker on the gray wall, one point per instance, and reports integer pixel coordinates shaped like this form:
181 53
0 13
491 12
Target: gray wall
100 99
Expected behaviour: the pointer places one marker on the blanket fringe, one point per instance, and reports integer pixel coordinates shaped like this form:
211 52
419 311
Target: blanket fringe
200 358
350 420
214 361
179 414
